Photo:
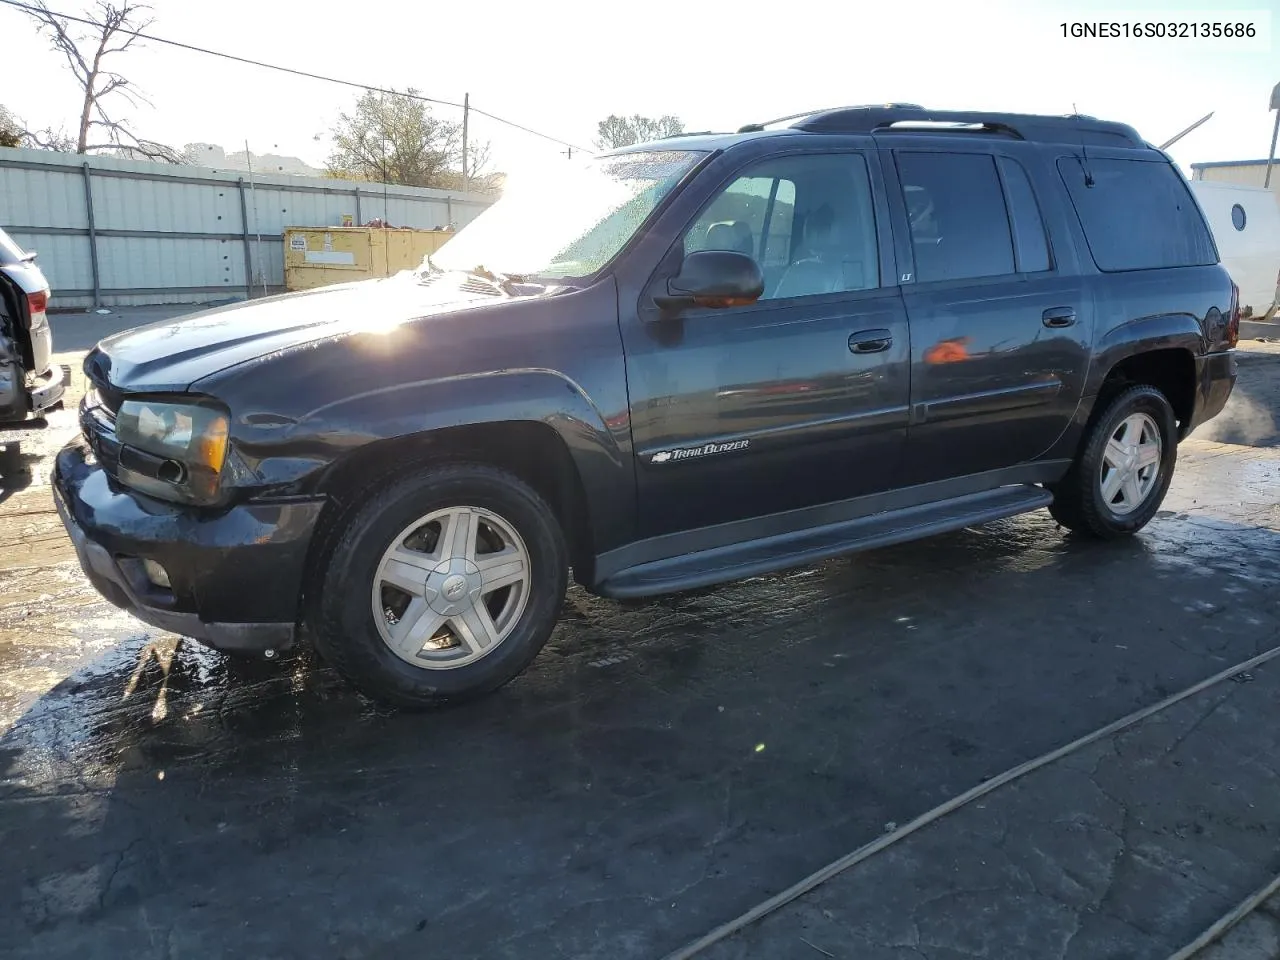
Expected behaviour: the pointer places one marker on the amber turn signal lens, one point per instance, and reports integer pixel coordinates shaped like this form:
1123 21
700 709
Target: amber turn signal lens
211 445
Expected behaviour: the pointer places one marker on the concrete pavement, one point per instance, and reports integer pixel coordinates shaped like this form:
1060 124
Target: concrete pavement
666 765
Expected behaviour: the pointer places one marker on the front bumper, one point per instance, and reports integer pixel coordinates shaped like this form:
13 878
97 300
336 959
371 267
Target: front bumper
236 576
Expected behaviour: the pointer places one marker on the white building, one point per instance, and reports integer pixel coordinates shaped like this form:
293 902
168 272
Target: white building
1245 173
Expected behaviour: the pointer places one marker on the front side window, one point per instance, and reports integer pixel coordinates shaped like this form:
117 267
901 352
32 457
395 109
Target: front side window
808 221
957 216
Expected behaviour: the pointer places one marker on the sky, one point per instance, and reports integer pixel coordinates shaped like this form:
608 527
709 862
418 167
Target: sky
562 65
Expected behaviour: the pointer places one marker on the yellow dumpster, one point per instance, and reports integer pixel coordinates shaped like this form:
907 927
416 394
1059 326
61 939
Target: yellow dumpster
319 256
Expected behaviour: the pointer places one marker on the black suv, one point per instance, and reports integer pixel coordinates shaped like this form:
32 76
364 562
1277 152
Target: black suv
690 361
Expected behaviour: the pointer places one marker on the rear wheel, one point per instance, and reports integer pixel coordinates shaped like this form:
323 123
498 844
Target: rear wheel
1122 473
443 586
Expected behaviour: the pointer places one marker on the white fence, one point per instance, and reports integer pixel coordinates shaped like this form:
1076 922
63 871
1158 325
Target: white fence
124 233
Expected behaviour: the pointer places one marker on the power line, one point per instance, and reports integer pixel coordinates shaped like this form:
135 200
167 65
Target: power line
298 73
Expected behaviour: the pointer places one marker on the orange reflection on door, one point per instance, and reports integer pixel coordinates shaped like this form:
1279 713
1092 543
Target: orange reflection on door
948 351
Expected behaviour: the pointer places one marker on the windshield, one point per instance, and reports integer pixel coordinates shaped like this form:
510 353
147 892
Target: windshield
568 225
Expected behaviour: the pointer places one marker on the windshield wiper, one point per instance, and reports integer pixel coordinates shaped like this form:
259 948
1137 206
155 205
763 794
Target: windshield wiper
504 282
426 268
507 283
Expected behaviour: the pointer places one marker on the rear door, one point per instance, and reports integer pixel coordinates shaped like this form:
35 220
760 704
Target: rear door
795 400
1000 325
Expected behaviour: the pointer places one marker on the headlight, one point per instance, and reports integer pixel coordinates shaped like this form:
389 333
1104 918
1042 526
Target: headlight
172 450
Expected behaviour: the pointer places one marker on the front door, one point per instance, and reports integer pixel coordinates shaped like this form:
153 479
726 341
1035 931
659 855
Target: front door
1000 326
798 399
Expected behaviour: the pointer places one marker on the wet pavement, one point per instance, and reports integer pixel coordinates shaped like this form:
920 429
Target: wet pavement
666 765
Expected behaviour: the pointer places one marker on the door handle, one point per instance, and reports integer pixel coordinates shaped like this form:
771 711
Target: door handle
870 341
1058 317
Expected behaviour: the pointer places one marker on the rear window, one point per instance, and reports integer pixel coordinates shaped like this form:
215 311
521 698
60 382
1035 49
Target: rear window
10 252
1137 215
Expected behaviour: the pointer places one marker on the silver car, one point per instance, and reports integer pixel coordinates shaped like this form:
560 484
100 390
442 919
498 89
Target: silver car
30 383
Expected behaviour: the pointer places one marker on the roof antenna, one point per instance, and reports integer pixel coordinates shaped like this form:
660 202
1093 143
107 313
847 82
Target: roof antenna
1084 150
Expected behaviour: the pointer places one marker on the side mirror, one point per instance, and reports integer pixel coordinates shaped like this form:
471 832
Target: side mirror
713 278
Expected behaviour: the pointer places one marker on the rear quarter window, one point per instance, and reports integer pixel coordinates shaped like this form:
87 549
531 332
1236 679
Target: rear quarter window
1136 214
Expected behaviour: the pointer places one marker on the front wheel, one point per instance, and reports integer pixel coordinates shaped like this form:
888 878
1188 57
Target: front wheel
1122 473
443 586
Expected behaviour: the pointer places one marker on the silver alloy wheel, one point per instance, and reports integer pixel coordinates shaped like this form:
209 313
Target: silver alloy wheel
451 587
1131 464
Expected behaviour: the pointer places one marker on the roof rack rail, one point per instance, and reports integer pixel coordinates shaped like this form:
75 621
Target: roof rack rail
1073 128
757 127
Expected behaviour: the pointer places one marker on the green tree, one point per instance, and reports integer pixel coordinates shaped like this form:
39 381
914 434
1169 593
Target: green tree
395 138
614 131
12 131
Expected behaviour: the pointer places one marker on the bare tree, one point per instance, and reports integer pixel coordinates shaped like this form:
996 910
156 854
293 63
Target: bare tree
614 131
115 29
14 132
481 178
57 140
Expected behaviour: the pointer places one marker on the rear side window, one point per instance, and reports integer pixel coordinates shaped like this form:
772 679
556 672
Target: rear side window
1029 242
1137 215
956 209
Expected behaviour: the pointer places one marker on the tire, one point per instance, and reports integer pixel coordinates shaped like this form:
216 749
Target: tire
1080 502
481 508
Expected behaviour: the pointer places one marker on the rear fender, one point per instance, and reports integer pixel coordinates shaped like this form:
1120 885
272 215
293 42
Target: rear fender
1171 331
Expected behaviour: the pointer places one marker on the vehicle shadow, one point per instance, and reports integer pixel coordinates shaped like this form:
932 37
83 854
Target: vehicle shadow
662 767
15 470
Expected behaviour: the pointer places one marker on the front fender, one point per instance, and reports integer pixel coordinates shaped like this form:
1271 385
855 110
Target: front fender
297 464
504 396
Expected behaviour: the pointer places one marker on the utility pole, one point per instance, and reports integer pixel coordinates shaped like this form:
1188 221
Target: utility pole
569 153
262 269
1275 105
466 115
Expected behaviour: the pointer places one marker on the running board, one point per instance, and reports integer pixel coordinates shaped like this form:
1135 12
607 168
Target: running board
801 547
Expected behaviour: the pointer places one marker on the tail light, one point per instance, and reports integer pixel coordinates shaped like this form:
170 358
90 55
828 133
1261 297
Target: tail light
37 303
1233 321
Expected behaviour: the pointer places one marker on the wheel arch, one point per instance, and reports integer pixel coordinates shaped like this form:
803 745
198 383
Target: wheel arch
1159 351
530 450
537 425
1171 370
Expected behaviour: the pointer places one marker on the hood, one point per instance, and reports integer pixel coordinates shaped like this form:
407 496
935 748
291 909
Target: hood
171 355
